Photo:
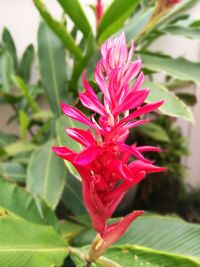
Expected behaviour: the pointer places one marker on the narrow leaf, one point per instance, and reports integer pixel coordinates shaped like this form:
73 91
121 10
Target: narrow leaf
59 29
75 12
26 63
52 66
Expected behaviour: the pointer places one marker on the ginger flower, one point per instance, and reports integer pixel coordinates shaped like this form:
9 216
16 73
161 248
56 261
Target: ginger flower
107 165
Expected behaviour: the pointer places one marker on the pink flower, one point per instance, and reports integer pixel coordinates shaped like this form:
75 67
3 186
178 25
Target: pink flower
107 165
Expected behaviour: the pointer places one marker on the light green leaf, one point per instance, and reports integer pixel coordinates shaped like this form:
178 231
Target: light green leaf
6 138
52 66
13 171
19 202
136 24
19 147
6 70
154 131
191 33
172 106
179 68
26 244
46 175
24 122
132 255
75 12
64 140
114 17
26 93
26 63
9 44
60 30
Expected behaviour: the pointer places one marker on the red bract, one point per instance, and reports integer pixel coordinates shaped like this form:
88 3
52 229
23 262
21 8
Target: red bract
99 11
173 2
107 165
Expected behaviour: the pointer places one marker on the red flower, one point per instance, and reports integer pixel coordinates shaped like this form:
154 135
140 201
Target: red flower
173 2
106 164
99 11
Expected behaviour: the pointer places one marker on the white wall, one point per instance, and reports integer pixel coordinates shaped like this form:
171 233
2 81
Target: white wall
22 19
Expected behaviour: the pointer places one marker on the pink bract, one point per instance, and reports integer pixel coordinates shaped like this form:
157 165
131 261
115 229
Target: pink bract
107 165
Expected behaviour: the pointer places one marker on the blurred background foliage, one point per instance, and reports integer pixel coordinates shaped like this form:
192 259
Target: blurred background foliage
38 189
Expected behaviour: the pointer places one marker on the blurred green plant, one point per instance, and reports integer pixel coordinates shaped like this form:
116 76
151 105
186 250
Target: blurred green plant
36 189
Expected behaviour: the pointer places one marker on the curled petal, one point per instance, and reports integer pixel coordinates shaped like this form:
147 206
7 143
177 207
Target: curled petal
75 114
115 231
138 166
133 150
93 103
85 138
148 149
64 152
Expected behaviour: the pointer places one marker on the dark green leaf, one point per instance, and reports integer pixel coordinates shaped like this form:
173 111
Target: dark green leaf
26 63
59 29
75 12
72 195
52 66
187 98
46 175
70 229
8 42
114 17
26 244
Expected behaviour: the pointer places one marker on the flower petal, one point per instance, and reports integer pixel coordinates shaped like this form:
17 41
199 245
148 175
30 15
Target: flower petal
64 152
87 155
75 114
138 166
85 138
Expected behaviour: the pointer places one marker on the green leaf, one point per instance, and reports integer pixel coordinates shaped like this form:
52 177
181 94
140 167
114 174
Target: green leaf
187 98
52 66
24 122
179 68
6 138
172 106
9 44
6 70
26 63
19 202
183 31
26 244
59 29
13 171
136 24
64 140
138 256
72 196
70 229
46 175
159 240
75 12
19 147
114 17
26 93
154 131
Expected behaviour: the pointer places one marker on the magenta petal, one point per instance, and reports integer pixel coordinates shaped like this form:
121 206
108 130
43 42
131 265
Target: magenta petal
85 138
148 149
142 110
64 152
75 114
115 231
133 150
138 166
98 221
87 85
93 103
87 155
